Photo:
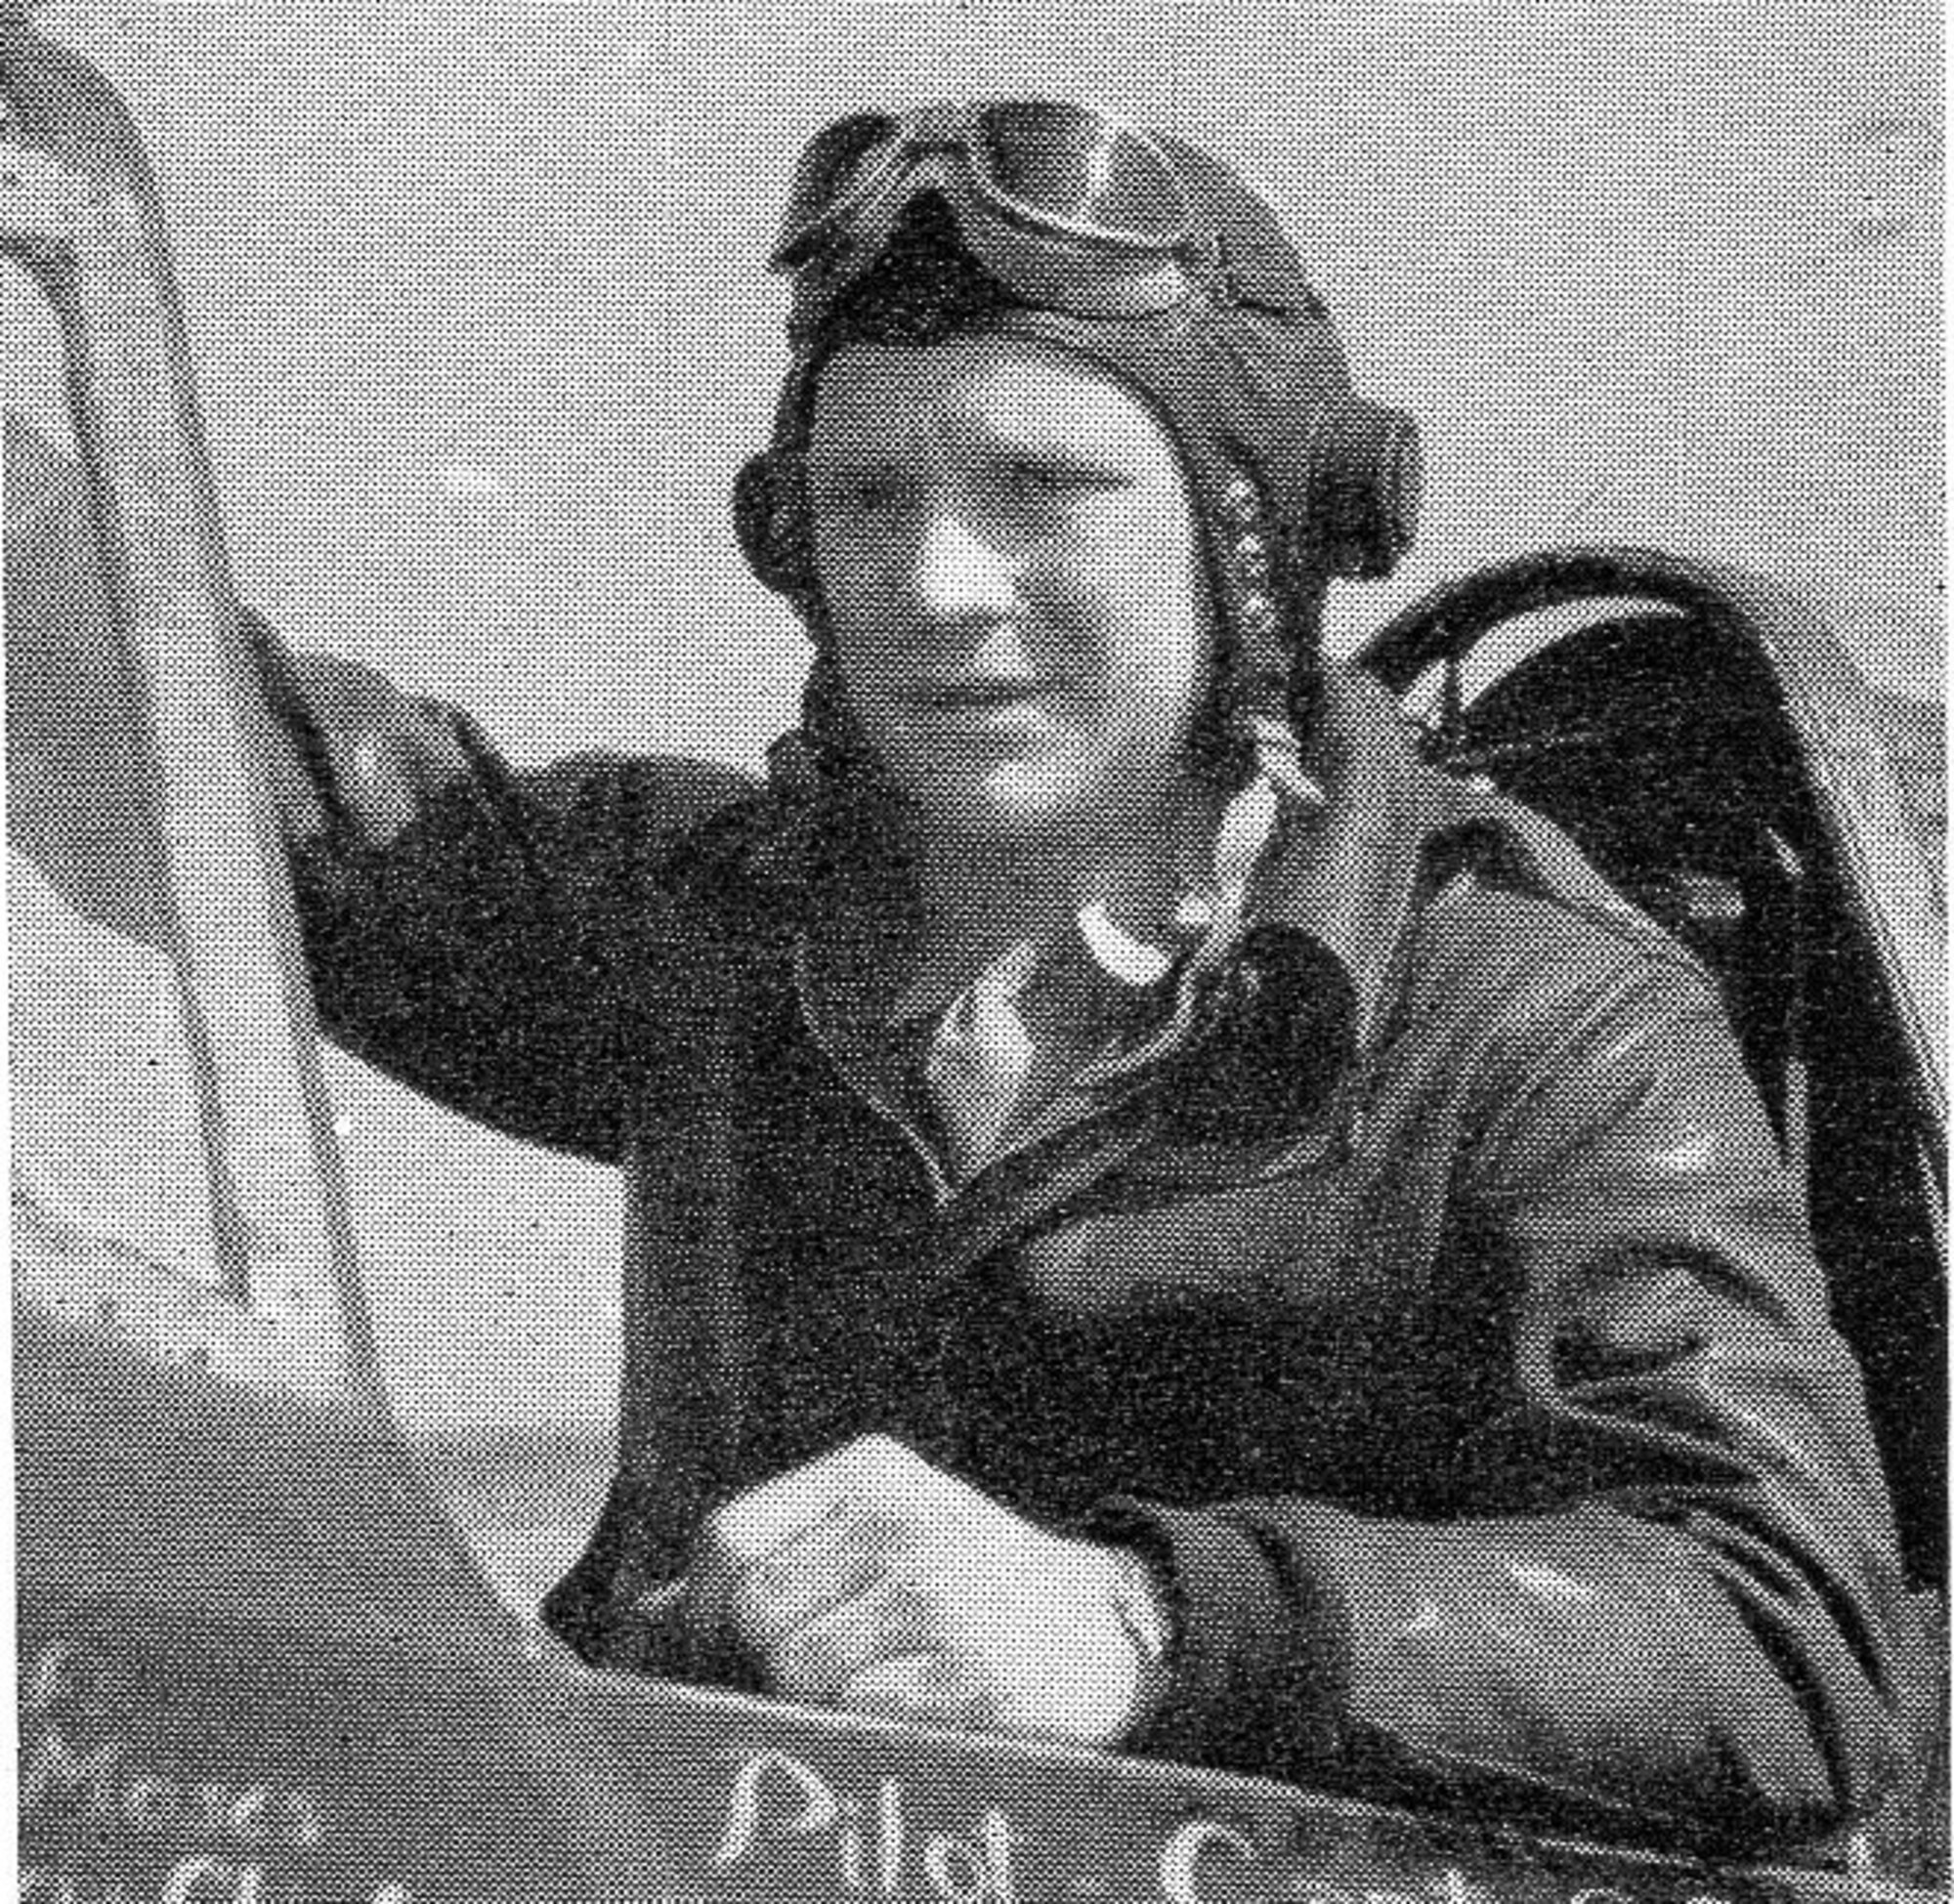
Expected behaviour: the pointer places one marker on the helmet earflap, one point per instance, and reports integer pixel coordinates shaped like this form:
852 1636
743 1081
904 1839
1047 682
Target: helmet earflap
1365 488
770 521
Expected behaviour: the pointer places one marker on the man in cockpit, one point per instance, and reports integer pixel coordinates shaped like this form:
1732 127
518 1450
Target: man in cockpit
1158 1220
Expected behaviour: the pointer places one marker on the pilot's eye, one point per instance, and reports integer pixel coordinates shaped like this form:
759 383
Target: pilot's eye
1031 477
867 493
1042 478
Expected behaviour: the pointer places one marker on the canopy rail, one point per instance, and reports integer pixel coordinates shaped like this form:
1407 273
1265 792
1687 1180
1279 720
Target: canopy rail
79 211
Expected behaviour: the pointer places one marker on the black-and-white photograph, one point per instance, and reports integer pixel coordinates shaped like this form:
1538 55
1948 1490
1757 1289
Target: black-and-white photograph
976 953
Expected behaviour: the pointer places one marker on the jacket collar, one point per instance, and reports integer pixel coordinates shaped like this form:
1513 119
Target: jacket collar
1392 830
1337 884
1345 880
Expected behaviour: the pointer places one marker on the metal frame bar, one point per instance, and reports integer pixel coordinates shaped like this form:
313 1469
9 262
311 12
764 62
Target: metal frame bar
78 209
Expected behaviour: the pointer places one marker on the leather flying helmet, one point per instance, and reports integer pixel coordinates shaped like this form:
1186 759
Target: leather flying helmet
976 218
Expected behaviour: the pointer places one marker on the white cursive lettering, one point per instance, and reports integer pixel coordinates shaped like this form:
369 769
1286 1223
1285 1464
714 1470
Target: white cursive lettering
820 1810
60 1678
777 1800
1460 1889
56 1771
1182 1854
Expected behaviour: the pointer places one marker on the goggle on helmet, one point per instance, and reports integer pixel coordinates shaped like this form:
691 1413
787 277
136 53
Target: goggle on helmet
1068 208
1096 228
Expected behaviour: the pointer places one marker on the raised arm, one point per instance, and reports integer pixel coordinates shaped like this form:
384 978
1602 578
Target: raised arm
497 939
470 929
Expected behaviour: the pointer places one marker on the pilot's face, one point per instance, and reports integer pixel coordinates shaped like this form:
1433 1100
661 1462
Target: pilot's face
1005 548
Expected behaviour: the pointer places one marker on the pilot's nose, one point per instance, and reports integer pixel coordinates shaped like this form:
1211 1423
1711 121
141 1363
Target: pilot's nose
955 575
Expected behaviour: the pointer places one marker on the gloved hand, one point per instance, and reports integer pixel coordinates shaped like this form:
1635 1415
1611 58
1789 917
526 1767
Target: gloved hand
872 1582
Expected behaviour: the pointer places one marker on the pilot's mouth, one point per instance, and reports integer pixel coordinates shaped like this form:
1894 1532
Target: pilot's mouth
975 696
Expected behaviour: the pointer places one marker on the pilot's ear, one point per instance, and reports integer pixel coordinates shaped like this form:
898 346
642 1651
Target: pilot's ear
770 518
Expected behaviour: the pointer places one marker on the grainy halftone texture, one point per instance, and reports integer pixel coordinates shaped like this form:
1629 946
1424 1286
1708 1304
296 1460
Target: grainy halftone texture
483 334
476 302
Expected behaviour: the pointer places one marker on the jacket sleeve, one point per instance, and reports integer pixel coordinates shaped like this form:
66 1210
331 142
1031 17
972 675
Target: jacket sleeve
1666 1611
497 939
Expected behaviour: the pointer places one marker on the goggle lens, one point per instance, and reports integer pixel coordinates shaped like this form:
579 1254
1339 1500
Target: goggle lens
839 165
1069 165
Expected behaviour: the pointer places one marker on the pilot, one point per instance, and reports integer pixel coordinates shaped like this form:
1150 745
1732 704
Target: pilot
1158 1220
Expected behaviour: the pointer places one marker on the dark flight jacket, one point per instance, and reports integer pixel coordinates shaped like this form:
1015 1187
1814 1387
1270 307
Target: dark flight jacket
1440 1319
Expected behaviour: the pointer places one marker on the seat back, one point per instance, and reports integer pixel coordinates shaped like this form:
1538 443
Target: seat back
1712 750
